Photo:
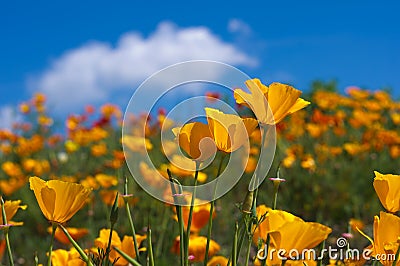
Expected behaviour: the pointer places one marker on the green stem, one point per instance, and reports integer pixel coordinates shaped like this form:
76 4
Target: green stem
76 246
234 246
263 138
274 202
178 208
127 257
322 246
210 217
189 223
9 251
108 250
242 231
150 247
53 231
128 212
36 259
248 252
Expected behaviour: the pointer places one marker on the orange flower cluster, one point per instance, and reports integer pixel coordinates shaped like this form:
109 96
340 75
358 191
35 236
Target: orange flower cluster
361 123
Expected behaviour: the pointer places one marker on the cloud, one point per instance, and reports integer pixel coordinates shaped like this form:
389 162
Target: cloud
8 117
238 26
98 72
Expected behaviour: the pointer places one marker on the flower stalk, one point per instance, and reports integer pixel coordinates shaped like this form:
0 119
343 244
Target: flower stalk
178 208
128 212
9 251
76 246
210 218
53 231
189 223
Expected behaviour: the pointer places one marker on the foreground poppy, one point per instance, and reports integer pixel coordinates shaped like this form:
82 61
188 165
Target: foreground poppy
270 104
58 200
196 140
387 188
386 238
230 132
288 232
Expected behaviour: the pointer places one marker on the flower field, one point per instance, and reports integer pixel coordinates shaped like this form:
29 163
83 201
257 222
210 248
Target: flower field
69 195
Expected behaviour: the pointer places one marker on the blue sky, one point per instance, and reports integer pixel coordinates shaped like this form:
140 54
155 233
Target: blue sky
81 52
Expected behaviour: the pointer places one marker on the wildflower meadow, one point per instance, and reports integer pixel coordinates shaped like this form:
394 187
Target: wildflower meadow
317 181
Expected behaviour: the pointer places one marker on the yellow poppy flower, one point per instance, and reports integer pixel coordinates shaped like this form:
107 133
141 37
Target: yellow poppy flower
270 104
387 188
126 245
230 132
61 257
196 140
11 208
218 261
58 200
386 237
288 231
299 235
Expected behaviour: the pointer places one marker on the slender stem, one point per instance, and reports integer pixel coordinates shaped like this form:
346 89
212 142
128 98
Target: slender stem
210 218
53 231
127 257
9 251
322 246
248 251
76 246
253 186
36 259
128 212
274 202
10 256
234 246
248 226
150 246
257 174
242 230
108 250
189 223
179 215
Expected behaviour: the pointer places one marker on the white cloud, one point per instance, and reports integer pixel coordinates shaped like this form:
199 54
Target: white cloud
98 72
8 117
238 26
